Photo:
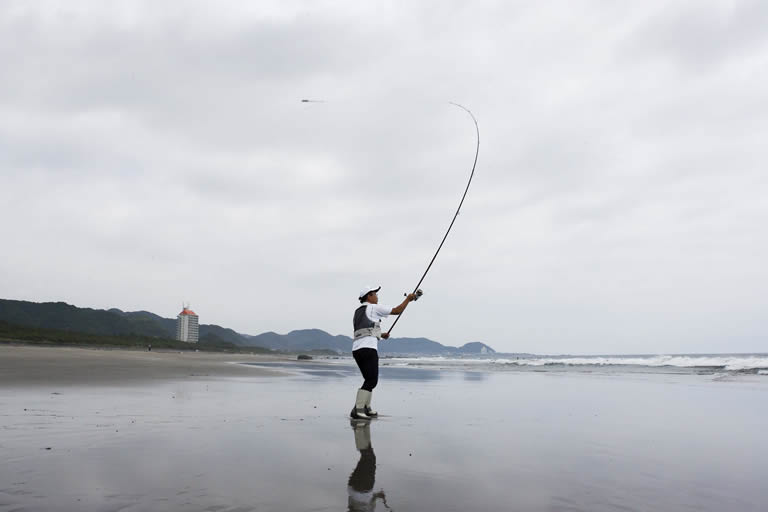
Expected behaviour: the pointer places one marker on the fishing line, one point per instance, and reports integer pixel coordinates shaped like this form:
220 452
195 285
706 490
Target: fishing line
458 210
471 175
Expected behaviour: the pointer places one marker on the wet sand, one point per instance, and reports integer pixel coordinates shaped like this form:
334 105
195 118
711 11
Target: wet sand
452 440
25 365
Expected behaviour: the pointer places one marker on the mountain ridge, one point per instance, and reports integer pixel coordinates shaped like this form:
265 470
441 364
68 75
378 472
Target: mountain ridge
115 322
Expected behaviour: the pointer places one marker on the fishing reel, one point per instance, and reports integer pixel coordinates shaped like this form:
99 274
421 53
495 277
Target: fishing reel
418 294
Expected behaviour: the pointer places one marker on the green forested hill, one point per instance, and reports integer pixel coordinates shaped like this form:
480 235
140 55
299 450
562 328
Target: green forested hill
10 333
113 322
24 317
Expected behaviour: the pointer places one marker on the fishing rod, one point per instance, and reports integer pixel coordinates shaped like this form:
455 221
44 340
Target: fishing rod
416 290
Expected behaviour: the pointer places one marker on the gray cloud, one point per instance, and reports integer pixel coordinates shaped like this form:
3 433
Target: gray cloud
158 153
702 39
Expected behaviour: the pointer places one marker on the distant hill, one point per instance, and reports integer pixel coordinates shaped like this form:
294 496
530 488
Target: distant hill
12 333
114 322
412 346
60 315
209 332
310 339
475 347
307 339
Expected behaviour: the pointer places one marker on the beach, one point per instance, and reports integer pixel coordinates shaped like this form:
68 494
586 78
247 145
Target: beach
133 431
26 365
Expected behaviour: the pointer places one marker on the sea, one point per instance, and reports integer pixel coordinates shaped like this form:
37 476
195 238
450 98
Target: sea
701 364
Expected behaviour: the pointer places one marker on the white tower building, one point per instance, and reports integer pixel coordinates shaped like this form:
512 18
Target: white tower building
187 325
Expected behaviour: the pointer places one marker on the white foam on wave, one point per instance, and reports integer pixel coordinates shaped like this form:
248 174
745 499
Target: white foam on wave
733 363
746 362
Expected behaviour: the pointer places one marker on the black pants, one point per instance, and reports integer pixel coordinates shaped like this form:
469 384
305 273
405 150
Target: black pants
367 360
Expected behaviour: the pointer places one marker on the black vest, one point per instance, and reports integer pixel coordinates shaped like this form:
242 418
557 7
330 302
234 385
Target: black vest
363 325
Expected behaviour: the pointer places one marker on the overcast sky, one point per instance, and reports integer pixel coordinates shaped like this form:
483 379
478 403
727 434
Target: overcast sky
158 152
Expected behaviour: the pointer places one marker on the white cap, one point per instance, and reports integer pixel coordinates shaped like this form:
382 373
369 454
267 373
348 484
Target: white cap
368 289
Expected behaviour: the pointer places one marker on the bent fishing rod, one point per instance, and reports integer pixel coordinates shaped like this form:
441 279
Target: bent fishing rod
416 290
458 210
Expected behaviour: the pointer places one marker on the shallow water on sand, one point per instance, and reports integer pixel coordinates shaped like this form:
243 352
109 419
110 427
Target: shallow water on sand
453 440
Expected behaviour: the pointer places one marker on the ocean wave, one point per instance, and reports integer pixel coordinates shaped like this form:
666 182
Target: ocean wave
748 363
730 363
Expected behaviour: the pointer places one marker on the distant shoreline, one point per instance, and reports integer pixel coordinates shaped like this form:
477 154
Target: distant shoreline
159 346
109 346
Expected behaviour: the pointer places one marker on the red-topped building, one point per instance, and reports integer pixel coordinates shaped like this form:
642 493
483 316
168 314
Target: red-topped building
187 325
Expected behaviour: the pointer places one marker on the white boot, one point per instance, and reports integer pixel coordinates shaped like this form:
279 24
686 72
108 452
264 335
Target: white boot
358 412
370 412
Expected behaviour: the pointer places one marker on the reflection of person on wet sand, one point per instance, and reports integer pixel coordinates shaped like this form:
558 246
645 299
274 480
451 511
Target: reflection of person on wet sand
361 481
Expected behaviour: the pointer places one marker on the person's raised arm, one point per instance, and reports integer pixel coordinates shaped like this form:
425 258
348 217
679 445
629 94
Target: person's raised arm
399 309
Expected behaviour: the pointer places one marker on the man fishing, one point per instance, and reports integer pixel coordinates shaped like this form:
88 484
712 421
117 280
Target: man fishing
368 317
367 325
